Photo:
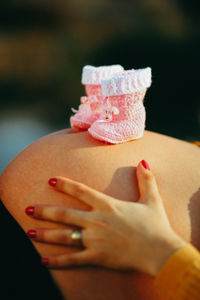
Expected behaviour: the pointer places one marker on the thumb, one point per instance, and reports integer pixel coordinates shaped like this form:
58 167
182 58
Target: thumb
147 185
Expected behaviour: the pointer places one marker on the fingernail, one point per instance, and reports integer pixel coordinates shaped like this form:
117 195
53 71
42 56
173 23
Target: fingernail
52 182
31 233
30 210
45 261
145 164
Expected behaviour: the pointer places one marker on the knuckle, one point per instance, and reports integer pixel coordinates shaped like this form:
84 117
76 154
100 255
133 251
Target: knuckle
152 197
79 190
61 185
100 220
61 261
42 234
63 237
39 234
148 176
85 236
155 197
96 217
39 211
61 214
110 206
55 262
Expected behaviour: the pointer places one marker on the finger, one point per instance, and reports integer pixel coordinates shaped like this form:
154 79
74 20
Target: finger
83 257
147 184
80 191
59 214
53 236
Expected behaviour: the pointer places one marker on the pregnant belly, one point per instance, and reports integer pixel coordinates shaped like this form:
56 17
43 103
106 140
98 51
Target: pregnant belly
100 284
110 170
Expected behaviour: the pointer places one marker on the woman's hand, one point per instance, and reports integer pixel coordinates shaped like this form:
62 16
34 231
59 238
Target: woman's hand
115 234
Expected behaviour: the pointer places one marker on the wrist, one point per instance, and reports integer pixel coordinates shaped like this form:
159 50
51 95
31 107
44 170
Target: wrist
169 247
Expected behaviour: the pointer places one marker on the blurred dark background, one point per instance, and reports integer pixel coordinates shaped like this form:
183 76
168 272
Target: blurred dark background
44 44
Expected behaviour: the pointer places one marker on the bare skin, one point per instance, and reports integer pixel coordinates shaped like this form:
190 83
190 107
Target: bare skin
176 165
116 234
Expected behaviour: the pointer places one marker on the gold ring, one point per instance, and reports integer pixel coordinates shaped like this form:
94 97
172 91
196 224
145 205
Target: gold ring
76 237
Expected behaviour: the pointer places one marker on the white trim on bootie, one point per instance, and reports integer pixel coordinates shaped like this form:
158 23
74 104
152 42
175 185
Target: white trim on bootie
94 75
127 82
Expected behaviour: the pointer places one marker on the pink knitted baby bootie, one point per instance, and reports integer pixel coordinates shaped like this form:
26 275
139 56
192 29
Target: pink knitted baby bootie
91 105
124 113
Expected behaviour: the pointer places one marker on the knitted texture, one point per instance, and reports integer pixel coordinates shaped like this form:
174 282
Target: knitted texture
88 112
123 119
94 75
90 108
127 82
93 90
124 115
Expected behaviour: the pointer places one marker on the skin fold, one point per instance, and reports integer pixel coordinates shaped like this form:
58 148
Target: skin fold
176 165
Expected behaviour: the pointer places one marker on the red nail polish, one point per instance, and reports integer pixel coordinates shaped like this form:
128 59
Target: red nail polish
45 261
52 182
31 233
145 164
30 210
